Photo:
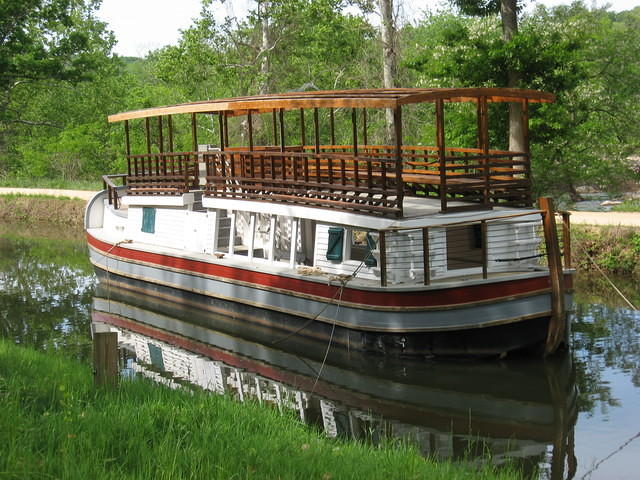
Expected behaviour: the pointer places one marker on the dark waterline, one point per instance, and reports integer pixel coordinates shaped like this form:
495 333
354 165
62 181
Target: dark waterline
523 411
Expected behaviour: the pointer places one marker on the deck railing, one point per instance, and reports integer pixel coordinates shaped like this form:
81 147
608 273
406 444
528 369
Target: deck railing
330 179
162 173
112 188
369 178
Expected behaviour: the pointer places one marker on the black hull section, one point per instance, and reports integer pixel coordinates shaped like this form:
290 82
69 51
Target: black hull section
277 328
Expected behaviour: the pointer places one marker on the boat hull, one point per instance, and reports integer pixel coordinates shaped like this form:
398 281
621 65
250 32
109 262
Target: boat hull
482 319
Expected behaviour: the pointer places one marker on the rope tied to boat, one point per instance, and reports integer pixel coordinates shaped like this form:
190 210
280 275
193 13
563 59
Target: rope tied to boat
342 278
600 462
106 264
613 285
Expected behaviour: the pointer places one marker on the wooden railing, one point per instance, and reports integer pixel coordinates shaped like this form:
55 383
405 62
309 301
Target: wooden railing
367 179
371 178
172 173
112 188
466 174
328 179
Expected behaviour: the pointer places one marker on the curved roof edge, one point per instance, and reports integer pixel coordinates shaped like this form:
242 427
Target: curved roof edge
372 98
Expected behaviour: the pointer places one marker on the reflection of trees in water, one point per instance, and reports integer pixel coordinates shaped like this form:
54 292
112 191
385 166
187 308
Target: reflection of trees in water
46 287
606 334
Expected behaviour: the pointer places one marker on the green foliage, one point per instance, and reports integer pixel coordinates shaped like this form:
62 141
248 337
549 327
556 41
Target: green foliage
632 205
614 249
310 43
56 424
48 39
585 136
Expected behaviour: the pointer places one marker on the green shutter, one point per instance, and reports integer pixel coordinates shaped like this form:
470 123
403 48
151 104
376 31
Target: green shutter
336 240
148 219
370 260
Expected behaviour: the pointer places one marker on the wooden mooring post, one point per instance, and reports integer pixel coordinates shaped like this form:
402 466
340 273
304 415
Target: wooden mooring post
557 323
105 359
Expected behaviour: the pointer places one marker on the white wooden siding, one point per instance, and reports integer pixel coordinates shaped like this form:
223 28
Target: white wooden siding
174 227
509 248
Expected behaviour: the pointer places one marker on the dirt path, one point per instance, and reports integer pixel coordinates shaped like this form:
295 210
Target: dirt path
81 194
626 219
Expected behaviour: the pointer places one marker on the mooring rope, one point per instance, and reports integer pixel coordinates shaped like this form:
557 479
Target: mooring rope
343 279
326 353
106 263
633 307
343 283
600 462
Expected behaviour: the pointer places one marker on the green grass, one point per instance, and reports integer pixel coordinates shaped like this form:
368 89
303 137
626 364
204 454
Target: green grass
58 183
631 205
55 424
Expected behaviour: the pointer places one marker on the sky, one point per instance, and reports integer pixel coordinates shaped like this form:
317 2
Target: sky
144 25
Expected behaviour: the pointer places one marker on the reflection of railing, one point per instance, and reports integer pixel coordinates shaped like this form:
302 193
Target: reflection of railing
162 173
112 188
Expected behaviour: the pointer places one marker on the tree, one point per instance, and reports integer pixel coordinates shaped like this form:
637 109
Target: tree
281 45
47 40
389 59
508 10
43 44
589 58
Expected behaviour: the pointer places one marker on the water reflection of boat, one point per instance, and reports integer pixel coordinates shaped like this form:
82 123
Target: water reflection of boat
513 410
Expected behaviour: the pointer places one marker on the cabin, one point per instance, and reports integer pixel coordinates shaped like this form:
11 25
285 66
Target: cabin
292 179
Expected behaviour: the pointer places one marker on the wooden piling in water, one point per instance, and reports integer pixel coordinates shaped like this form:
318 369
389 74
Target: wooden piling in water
105 359
557 322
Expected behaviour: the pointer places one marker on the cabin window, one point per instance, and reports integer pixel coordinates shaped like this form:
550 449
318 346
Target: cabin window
464 247
362 246
148 219
335 244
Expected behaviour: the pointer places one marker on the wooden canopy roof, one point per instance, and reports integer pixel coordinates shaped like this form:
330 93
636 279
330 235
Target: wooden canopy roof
373 98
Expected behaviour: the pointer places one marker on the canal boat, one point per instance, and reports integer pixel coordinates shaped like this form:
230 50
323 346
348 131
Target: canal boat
300 211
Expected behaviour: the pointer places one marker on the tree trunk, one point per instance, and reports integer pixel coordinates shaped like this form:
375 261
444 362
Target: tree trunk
509 17
263 10
389 60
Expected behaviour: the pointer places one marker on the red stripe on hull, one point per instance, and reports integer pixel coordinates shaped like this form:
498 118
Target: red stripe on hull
444 297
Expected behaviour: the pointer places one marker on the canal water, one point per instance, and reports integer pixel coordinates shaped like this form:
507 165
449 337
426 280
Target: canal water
574 416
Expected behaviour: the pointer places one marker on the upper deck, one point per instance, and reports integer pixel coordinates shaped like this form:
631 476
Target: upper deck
314 149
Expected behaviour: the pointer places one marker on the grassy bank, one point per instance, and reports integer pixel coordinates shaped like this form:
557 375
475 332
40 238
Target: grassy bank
42 209
614 249
54 423
630 205
59 183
